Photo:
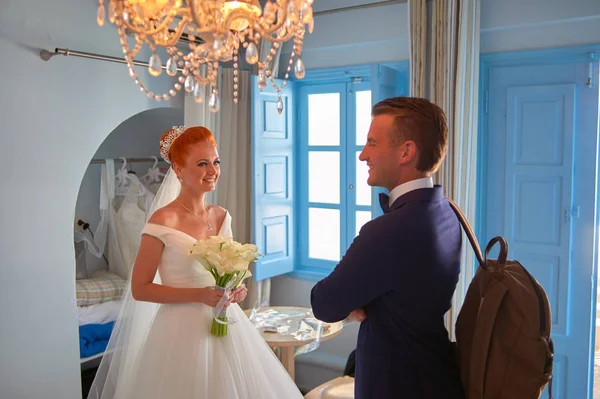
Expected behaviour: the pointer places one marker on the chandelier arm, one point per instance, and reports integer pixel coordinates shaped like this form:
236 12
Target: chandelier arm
264 34
193 11
176 34
258 27
239 13
144 29
213 30
165 22
194 15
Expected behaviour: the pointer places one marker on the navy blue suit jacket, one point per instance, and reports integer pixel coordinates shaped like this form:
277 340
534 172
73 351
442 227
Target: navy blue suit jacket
402 269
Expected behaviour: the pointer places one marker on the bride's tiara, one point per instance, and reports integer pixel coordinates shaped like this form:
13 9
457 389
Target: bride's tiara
165 144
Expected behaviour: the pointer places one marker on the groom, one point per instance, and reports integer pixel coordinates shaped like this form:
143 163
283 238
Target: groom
400 273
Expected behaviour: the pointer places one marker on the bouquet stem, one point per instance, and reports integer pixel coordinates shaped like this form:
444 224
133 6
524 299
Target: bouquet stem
218 329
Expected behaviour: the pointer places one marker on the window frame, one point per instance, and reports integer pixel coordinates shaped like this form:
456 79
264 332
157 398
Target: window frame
312 268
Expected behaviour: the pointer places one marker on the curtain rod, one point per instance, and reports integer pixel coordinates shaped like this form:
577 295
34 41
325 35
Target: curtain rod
47 55
129 160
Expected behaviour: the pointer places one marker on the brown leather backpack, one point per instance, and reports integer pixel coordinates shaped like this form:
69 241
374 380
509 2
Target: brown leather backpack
503 328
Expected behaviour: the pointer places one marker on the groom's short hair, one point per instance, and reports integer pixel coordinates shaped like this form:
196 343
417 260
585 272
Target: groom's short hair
420 121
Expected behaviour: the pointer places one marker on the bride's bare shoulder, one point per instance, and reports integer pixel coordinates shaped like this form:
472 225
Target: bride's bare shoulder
166 216
218 211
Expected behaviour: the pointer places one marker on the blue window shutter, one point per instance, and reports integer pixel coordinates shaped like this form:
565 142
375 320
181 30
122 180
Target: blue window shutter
386 82
272 171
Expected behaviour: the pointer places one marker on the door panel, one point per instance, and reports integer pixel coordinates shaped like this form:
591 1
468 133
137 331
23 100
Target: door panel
540 194
272 169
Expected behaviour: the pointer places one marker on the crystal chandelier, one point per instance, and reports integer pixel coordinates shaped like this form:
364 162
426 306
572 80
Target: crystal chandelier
214 31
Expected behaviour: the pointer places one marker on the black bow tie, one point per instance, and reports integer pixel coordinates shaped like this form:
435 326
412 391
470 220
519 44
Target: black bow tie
384 201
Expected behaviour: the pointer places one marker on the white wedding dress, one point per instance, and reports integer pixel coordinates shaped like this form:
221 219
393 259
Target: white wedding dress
179 358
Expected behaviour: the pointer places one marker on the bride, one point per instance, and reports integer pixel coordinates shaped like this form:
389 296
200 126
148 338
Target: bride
161 346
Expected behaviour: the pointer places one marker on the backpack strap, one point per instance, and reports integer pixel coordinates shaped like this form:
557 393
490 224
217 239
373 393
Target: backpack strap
468 230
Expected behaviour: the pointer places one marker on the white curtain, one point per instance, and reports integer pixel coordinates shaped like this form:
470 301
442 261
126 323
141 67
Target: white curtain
234 148
443 82
453 85
417 20
464 141
235 184
259 292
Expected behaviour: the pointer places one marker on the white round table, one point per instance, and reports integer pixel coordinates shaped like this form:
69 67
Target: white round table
287 343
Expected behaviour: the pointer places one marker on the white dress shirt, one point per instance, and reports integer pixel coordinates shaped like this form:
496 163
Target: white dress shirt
425 182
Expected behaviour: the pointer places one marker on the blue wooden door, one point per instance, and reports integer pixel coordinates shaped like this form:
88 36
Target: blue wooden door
272 167
540 161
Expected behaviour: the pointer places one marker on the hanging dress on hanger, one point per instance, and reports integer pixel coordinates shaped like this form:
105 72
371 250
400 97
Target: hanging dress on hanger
129 201
153 178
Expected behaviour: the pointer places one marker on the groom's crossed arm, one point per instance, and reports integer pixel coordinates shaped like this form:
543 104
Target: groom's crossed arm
367 271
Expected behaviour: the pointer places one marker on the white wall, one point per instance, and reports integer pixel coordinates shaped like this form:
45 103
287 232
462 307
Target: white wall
137 137
362 36
380 33
511 25
53 117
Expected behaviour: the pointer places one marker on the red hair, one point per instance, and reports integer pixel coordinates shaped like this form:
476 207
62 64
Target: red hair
180 147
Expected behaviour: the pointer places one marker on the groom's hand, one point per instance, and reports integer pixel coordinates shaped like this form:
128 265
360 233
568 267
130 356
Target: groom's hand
358 315
239 294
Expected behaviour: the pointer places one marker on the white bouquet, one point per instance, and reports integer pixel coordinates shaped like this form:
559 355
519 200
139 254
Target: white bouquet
228 261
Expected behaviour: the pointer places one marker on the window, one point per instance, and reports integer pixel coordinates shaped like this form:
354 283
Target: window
309 192
334 200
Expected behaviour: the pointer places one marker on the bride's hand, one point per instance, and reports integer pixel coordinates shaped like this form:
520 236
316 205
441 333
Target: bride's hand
211 297
239 294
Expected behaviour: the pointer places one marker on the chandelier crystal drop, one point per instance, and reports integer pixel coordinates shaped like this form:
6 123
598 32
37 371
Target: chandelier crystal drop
198 35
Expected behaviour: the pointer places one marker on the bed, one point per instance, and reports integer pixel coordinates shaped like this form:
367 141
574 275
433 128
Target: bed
98 305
